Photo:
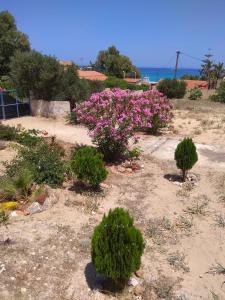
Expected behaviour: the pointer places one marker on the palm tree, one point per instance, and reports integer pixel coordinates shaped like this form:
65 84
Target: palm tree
207 68
219 72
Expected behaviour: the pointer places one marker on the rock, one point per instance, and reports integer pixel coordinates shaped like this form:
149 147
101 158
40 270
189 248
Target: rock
138 290
135 167
3 145
23 290
104 185
139 273
129 170
34 208
121 169
133 281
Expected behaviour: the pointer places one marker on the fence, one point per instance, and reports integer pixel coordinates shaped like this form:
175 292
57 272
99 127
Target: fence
11 106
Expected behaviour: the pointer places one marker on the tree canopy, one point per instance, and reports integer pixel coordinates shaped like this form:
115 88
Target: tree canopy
11 41
212 72
113 63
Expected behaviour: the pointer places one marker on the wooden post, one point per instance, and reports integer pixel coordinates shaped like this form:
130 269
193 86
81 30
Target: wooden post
176 66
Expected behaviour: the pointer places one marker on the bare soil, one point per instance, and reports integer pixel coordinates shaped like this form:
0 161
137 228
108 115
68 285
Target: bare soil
48 255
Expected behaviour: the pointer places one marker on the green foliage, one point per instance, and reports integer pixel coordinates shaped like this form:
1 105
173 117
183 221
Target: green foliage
172 88
111 62
8 133
134 153
195 94
5 83
3 217
114 82
36 73
18 186
220 93
88 166
24 137
11 41
186 156
45 162
71 118
117 246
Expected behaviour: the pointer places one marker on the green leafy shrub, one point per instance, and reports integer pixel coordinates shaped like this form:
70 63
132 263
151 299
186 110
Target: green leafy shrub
8 133
18 186
24 137
45 162
3 217
220 93
186 156
195 94
172 88
5 83
28 137
117 246
88 166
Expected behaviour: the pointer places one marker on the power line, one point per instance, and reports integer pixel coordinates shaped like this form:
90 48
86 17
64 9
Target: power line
190 56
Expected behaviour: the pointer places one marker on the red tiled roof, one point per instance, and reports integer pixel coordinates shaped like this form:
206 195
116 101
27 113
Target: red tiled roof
66 62
91 75
196 83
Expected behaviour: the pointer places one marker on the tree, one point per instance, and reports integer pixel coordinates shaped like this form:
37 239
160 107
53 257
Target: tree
44 78
11 40
112 63
218 72
117 246
186 156
88 166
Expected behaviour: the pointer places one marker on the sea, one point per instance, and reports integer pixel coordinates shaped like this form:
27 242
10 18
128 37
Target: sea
155 74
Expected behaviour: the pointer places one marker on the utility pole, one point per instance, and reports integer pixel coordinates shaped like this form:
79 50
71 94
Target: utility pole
176 66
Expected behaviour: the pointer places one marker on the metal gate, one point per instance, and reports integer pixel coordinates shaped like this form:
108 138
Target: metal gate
11 106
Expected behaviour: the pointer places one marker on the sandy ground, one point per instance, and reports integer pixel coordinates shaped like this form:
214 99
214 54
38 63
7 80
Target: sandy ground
49 256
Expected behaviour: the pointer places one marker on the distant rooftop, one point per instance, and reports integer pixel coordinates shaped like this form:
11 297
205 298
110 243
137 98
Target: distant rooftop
65 62
91 75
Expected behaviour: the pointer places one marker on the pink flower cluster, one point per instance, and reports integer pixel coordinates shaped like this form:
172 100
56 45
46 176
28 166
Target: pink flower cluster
113 116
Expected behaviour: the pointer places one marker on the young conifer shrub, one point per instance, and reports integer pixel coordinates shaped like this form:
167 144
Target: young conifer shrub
186 156
117 246
88 166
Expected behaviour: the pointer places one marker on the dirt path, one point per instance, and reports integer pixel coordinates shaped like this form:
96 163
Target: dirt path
58 128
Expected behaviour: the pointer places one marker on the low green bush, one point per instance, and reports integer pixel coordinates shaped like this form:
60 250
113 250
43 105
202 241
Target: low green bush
186 156
8 133
24 137
45 162
117 246
195 94
18 186
220 93
88 166
172 88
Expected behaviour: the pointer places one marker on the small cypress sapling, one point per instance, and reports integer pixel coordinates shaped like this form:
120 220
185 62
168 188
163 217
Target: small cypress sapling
117 246
88 166
186 156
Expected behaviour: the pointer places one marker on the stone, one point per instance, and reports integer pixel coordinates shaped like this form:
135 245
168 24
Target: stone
133 281
3 145
23 290
121 169
138 290
129 170
139 273
34 208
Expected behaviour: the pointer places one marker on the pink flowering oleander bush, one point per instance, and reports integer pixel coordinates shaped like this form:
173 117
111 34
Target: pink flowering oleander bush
112 117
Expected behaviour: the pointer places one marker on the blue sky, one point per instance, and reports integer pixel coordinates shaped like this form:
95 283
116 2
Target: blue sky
149 32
